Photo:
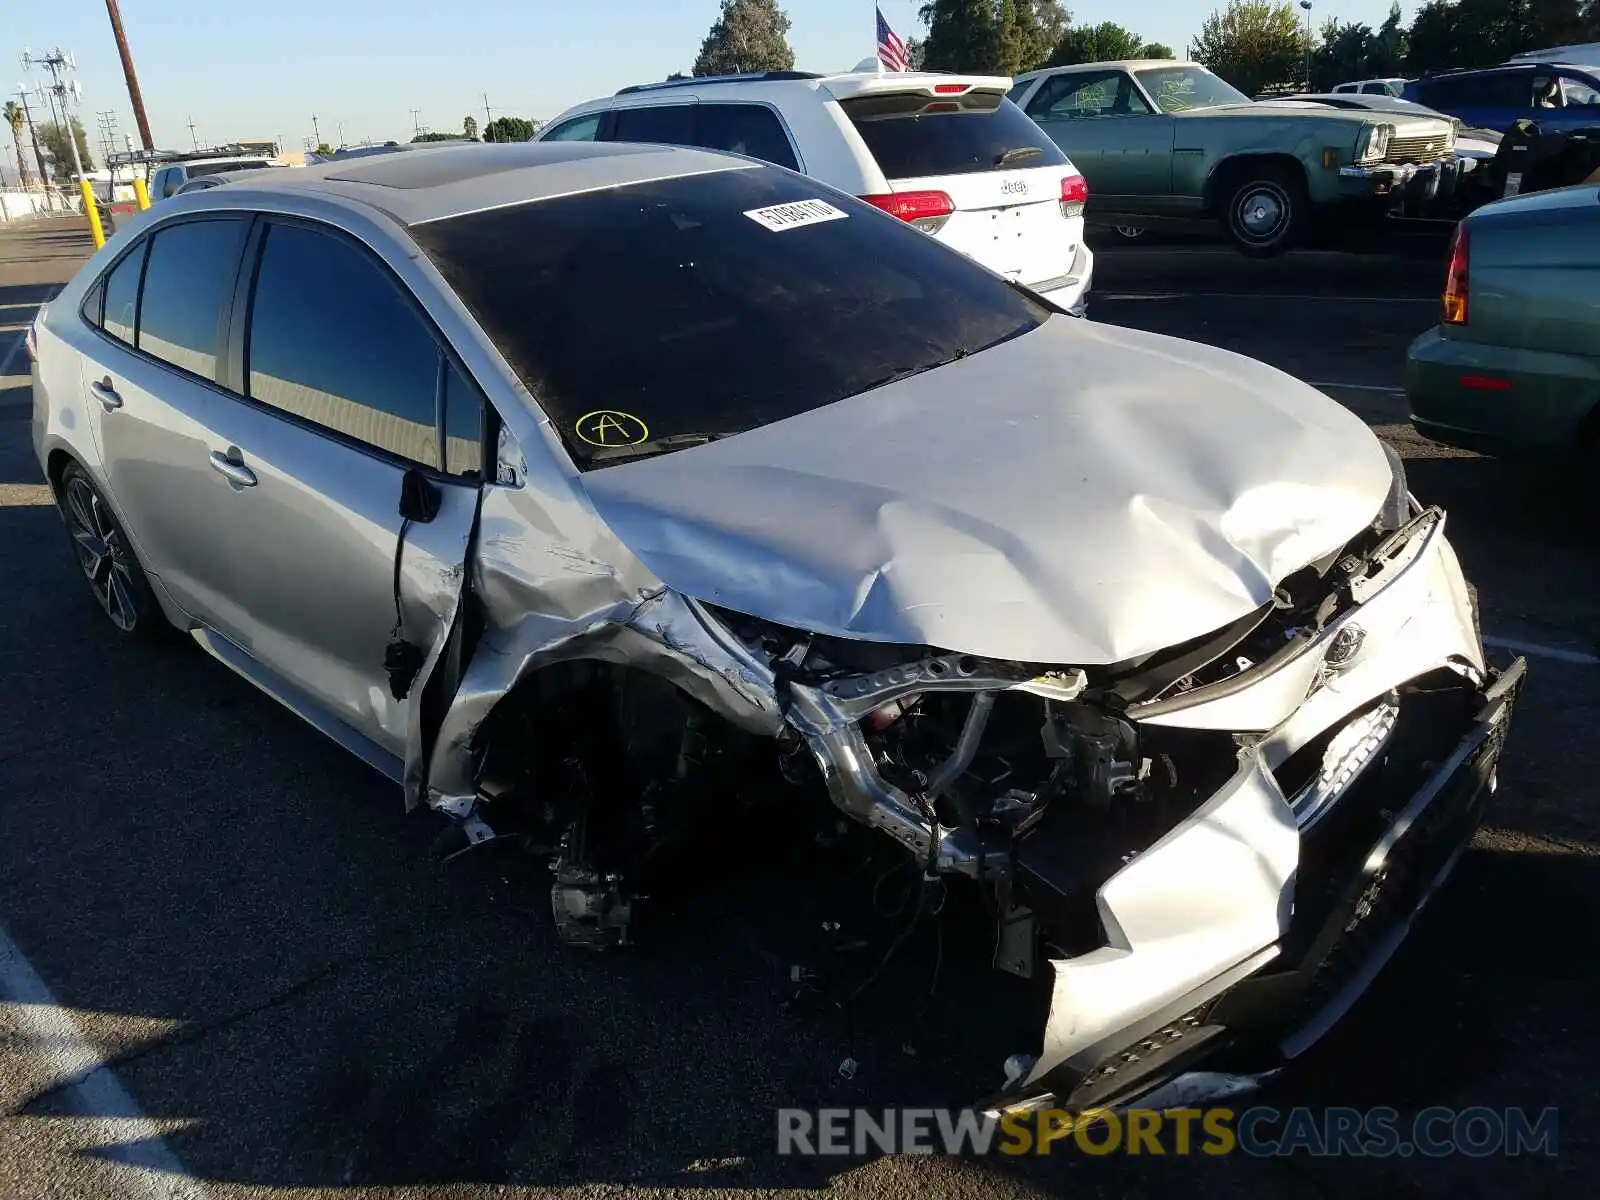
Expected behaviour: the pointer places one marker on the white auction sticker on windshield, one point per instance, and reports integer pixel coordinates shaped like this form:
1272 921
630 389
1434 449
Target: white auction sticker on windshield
780 217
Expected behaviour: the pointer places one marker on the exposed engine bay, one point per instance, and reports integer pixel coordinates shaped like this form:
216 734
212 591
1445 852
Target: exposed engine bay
1083 804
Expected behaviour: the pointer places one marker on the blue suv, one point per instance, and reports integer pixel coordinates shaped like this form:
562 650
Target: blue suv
1556 95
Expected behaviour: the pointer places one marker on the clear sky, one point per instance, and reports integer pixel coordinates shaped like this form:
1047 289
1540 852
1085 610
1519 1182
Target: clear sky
261 70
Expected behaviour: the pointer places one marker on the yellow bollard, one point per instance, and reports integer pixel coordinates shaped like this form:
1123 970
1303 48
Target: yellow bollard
90 207
141 194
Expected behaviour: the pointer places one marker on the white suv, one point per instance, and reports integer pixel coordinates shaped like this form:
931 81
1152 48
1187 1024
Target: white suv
947 153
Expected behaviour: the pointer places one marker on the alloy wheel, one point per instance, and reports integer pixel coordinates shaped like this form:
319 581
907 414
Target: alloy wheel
102 553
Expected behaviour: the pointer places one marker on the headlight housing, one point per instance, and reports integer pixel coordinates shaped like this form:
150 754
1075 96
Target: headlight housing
1398 506
1373 143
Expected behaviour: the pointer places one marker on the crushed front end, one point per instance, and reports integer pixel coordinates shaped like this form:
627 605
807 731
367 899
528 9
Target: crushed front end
1212 849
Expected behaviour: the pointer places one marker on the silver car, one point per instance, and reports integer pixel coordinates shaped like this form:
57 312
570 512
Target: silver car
571 484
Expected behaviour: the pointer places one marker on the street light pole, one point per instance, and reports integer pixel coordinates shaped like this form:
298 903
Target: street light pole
128 73
1306 4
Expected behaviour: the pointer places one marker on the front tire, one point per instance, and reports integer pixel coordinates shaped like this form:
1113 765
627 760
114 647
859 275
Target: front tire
1266 211
106 556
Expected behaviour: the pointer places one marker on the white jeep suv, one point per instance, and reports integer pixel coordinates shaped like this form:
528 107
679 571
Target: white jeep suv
947 153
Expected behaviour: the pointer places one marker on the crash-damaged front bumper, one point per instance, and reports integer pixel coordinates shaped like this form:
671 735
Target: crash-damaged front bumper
1249 927
1338 899
1208 869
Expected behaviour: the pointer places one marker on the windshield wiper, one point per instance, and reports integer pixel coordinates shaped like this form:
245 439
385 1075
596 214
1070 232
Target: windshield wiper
1016 153
660 445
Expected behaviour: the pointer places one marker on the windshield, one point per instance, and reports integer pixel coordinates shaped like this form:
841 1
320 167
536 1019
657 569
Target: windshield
1178 89
684 309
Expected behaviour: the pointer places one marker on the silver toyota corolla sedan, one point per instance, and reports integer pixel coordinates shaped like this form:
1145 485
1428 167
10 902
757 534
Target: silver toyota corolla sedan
563 482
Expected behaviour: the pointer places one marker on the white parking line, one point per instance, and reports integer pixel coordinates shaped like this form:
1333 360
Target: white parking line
5 359
1364 387
134 1141
1273 296
1534 649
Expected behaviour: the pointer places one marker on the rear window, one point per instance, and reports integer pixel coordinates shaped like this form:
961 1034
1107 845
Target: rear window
703 305
914 135
196 170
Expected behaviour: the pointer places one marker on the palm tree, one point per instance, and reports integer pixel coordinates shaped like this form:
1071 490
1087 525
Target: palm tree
14 117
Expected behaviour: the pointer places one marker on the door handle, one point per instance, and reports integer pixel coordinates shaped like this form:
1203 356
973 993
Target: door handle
106 394
231 467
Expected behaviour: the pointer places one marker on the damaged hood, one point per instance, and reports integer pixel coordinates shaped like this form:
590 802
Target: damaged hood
1079 495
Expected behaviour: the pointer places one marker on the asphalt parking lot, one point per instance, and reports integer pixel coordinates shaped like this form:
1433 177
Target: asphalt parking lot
293 995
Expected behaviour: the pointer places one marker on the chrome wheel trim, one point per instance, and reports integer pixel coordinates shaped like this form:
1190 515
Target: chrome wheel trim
102 553
1261 212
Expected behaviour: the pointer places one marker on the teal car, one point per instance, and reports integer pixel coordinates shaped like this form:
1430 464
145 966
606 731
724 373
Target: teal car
1163 142
1513 368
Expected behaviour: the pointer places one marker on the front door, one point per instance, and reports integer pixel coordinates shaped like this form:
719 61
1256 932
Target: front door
345 389
1108 129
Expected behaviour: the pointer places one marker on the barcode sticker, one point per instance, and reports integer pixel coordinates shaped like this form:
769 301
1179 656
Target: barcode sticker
781 217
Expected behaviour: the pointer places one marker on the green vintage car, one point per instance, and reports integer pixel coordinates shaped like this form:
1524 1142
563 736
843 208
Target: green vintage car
1162 142
1513 368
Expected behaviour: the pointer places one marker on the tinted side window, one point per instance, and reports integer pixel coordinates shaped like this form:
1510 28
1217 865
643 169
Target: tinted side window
122 294
1505 90
744 129
333 341
93 301
463 425
579 129
187 284
672 124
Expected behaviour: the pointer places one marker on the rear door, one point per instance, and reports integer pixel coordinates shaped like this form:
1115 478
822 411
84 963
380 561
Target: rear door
150 380
1001 173
341 387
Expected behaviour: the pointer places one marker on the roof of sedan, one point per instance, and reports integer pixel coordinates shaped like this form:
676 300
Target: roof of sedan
453 180
1118 64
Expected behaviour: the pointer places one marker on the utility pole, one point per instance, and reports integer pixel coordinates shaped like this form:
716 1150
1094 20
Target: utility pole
317 132
57 61
341 136
134 97
33 136
49 98
487 116
193 136
416 126
107 121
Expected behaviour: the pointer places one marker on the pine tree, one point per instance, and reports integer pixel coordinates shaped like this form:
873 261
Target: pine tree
749 35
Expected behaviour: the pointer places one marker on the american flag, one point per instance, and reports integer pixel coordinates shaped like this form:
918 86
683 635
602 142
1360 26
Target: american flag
891 50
